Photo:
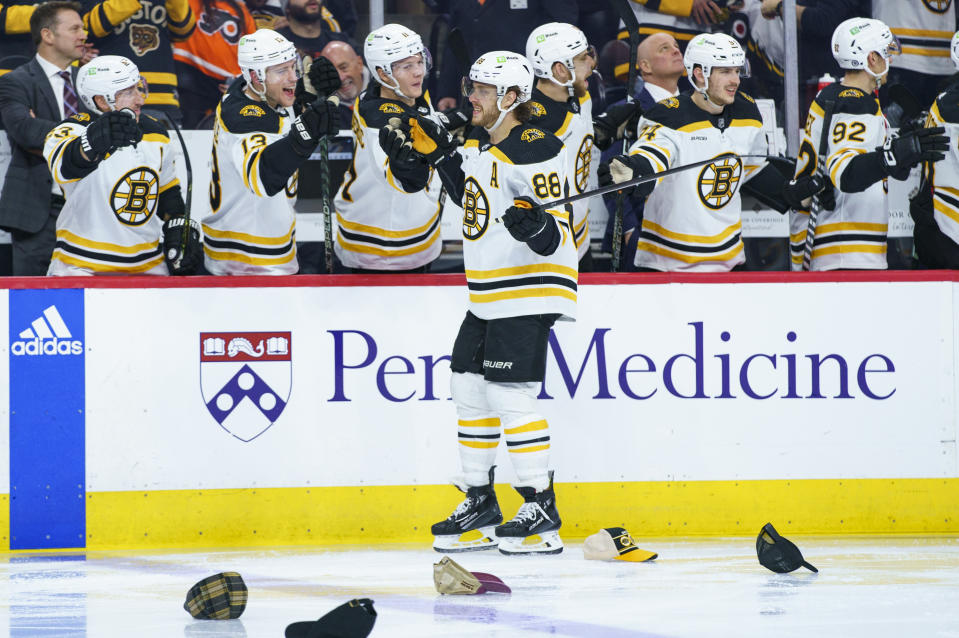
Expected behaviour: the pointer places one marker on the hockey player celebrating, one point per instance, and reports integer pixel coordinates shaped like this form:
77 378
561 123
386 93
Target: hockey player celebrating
936 208
521 274
380 226
858 154
118 176
692 220
258 147
563 60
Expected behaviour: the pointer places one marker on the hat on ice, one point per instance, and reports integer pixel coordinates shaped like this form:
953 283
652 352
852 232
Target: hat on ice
353 619
615 543
218 597
779 554
452 578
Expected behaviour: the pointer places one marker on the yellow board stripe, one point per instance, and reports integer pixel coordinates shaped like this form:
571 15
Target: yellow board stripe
529 427
363 514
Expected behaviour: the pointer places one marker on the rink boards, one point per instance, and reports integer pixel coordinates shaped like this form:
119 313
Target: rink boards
259 411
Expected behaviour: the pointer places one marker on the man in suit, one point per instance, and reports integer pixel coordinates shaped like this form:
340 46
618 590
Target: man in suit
34 98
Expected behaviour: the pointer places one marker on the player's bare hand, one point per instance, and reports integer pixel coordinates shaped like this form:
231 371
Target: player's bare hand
704 11
89 52
770 8
446 103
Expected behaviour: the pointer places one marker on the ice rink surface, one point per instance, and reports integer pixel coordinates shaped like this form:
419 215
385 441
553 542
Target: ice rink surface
867 586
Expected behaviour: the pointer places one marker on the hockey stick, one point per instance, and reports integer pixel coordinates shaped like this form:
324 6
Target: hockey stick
642 179
816 206
324 147
185 236
632 31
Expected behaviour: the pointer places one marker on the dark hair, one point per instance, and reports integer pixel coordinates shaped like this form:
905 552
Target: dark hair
523 111
46 16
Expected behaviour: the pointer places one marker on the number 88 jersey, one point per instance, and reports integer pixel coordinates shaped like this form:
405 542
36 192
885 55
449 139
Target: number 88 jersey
505 277
853 235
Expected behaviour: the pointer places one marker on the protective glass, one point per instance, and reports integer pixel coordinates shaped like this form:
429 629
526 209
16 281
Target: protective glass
484 91
891 49
423 63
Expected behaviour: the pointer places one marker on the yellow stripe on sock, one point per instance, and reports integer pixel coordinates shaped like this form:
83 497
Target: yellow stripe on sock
529 427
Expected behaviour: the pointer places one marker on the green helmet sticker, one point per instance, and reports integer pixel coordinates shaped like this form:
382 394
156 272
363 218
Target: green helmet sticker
501 58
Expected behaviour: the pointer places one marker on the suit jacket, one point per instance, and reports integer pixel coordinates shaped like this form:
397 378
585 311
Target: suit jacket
25 199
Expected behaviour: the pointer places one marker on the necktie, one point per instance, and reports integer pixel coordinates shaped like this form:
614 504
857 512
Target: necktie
71 106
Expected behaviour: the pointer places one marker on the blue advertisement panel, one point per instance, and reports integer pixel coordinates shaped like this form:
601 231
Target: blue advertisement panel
47 416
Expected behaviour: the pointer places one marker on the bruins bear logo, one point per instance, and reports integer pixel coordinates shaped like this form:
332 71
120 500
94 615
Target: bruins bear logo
670 103
252 110
475 210
134 197
144 38
537 109
389 107
718 182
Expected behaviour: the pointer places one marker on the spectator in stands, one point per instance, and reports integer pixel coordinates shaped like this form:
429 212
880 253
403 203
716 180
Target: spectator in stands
144 33
924 30
33 99
682 20
310 27
660 65
494 25
352 77
15 48
268 14
206 61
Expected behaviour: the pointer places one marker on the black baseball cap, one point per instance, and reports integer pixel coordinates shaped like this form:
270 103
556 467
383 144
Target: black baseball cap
353 619
777 553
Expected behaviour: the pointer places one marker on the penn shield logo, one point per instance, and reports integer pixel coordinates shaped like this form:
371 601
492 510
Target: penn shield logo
48 335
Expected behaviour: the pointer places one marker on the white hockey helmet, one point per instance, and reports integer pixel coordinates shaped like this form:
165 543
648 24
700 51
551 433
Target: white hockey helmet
954 49
556 42
504 70
261 50
392 43
854 39
711 50
106 75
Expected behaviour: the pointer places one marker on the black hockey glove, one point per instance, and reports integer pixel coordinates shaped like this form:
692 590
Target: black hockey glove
618 121
395 142
530 224
624 168
902 152
796 190
318 119
109 132
180 259
921 206
455 118
431 140
320 80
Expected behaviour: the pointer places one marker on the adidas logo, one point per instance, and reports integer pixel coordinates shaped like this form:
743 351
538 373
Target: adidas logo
47 335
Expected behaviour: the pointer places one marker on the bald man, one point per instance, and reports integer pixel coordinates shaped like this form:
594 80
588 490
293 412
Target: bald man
352 77
660 65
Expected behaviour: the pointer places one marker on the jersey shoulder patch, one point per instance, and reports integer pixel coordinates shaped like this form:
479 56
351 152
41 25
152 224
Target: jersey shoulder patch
377 111
676 112
79 118
241 115
948 105
546 113
849 100
528 144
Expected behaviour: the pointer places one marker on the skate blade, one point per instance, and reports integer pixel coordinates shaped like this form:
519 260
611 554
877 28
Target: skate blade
545 543
473 541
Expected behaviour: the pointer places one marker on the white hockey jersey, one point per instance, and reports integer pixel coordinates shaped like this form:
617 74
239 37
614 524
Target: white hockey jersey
924 29
505 277
573 125
944 174
110 222
854 234
246 231
379 225
693 219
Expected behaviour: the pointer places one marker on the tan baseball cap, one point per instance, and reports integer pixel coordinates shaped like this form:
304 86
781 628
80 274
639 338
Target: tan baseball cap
615 543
